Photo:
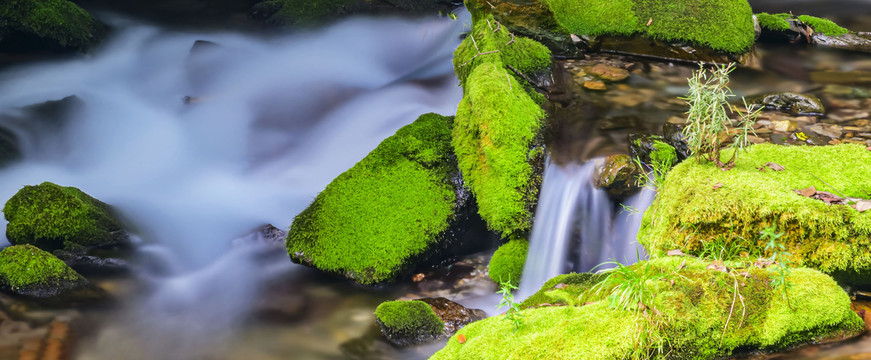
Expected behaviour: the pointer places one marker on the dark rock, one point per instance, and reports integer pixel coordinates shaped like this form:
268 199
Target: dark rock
530 19
36 26
849 41
618 176
39 126
89 264
796 104
310 12
652 48
608 72
454 315
31 273
641 144
9 148
673 134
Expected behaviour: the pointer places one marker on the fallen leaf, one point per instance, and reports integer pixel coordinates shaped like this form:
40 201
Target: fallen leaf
682 265
807 192
675 252
672 282
775 166
461 339
649 21
762 263
828 197
868 148
560 286
718 266
862 205
717 186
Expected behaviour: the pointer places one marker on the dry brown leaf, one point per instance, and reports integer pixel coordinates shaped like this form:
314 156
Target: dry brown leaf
675 252
862 205
774 166
418 277
560 286
807 192
461 338
828 197
717 186
683 265
718 266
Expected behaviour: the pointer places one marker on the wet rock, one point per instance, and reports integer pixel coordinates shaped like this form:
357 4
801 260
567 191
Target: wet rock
832 131
31 273
40 126
88 264
618 176
783 126
595 85
638 45
9 150
531 19
418 326
642 144
35 26
608 72
673 134
454 315
796 104
848 41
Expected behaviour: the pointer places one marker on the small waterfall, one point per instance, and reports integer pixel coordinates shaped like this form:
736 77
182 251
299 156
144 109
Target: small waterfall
571 208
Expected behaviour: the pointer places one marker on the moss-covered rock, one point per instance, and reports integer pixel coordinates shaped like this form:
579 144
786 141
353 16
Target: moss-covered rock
55 217
374 222
726 26
690 211
408 322
46 25
497 124
506 266
649 148
618 176
27 271
309 12
774 22
691 312
825 26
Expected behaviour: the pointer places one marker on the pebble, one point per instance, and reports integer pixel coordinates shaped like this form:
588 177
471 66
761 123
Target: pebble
783 126
595 85
833 131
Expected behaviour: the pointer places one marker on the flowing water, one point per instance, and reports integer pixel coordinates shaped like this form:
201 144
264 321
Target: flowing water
266 125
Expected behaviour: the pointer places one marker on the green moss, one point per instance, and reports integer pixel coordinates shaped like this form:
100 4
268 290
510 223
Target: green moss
772 22
690 211
507 262
567 289
301 12
59 20
496 126
53 217
663 154
696 313
409 318
825 26
24 266
391 206
721 25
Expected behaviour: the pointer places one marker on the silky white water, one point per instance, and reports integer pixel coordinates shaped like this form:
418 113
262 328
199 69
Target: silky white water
272 122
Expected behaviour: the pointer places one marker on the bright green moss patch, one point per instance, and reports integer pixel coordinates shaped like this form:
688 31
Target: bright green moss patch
24 266
566 289
694 313
774 22
721 25
54 217
506 266
409 317
58 20
496 125
825 26
690 211
391 206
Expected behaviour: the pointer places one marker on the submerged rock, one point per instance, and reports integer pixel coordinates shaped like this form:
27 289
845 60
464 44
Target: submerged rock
686 309
47 26
618 175
796 104
398 208
55 217
29 272
423 320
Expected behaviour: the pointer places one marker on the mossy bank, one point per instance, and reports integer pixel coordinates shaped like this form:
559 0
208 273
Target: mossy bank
700 203
375 221
498 122
54 217
691 312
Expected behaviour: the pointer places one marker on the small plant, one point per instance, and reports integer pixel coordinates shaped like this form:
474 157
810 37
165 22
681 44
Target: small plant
661 161
708 98
626 287
513 313
779 258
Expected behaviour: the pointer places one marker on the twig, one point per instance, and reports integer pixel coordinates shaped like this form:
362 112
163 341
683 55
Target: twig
524 77
507 77
475 43
491 5
488 24
824 182
510 41
476 55
498 26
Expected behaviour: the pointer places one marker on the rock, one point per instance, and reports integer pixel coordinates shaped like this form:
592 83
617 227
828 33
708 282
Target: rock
608 72
796 104
423 320
40 126
783 126
29 272
506 266
53 217
307 13
848 41
454 315
38 26
643 145
673 134
832 131
595 85
400 208
9 148
88 264
618 176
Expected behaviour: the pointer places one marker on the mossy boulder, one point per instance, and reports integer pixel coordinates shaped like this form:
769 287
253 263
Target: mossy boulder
691 312
506 266
40 25
29 272
497 127
390 212
54 217
309 12
650 148
726 26
690 211
408 322
618 176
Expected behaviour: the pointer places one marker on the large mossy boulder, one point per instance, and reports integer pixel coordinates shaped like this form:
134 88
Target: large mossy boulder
498 123
507 263
29 272
46 25
723 25
378 220
54 217
700 204
689 311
